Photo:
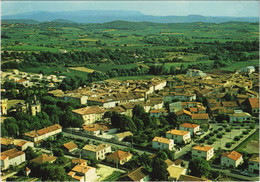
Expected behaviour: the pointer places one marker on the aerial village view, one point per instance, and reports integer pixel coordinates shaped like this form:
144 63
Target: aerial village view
130 91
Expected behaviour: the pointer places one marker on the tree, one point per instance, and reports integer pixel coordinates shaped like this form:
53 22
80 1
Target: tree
159 170
30 153
199 167
58 152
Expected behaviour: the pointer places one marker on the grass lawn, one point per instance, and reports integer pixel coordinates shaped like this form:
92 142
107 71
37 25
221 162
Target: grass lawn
239 65
251 144
113 177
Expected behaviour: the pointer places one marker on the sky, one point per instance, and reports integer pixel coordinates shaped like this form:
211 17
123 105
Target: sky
234 8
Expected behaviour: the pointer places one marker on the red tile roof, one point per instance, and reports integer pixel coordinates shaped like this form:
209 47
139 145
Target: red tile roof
44 158
119 154
12 153
183 112
177 132
43 131
89 110
232 155
254 102
189 125
200 116
202 148
70 145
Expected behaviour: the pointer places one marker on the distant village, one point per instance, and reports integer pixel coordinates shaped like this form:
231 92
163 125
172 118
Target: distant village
211 110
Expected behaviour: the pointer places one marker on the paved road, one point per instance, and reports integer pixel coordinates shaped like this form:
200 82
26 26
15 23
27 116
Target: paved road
96 140
231 174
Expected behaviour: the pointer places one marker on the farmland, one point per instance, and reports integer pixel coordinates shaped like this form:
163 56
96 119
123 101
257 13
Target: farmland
111 46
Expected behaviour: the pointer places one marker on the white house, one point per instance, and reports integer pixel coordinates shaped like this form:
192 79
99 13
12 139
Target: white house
169 97
248 69
179 136
121 136
194 72
140 174
163 143
205 152
243 116
97 152
192 128
90 114
231 159
254 164
83 173
12 157
175 107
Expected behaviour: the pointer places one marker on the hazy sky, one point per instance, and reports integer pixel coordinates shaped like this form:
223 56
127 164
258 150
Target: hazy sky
162 8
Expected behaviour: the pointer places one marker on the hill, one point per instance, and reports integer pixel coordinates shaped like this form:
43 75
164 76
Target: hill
101 16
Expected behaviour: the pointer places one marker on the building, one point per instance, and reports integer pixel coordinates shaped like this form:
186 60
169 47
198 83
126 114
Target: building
78 161
35 108
254 164
239 116
3 107
90 114
175 172
158 112
44 158
12 157
83 173
70 146
76 97
231 159
192 128
19 144
140 174
194 72
205 152
175 107
97 152
119 157
253 106
201 118
38 135
163 143
179 136
120 136
248 69
99 129
183 115
179 96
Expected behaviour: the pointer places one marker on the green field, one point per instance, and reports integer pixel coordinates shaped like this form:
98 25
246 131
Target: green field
239 65
251 144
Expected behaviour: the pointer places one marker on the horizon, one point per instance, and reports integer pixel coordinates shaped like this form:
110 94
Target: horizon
164 8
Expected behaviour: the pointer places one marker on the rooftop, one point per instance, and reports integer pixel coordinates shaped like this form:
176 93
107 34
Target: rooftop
119 154
161 140
43 131
202 148
12 153
232 155
70 145
189 125
95 148
177 132
43 158
89 110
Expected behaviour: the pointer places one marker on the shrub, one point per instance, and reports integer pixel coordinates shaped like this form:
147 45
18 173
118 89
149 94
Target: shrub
241 136
202 140
236 138
228 145
211 134
206 137
215 131
228 129
224 125
210 142
214 139
252 126
233 142
223 133
248 130
220 129
219 135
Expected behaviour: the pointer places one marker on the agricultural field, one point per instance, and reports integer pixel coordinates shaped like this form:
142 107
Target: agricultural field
127 45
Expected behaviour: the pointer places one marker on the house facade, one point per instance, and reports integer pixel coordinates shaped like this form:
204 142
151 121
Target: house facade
37 135
205 152
242 116
119 157
12 157
231 159
163 143
253 165
98 152
83 173
192 128
179 136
